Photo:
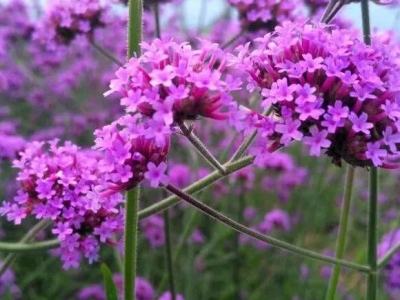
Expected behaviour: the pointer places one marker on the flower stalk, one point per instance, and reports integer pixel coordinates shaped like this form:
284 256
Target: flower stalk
130 241
199 146
261 237
343 224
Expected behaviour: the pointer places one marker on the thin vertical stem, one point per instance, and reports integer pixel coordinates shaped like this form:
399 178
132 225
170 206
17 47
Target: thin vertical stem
168 252
372 236
134 27
133 195
157 19
130 245
237 261
372 230
341 240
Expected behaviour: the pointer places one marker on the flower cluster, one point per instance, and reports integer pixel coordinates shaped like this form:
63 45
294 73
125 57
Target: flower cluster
274 220
171 83
153 229
66 19
265 14
143 290
60 185
130 155
327 89
392 269
8 286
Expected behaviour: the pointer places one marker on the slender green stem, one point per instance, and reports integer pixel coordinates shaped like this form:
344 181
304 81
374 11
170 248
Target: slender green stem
28 237
232 39
189 226
331 10
196 187
130 247
384 260
341 240
201 148
135 27
21 247
366 22
157 19
104 52
261 237
372 230
237 261
372 237
168 253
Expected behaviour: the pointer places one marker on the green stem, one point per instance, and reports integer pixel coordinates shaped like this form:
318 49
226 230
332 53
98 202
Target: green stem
237 261
168 253
261 237
196 187
232 39
384 260
157 19
372 230
135 27
20 247
189 226
28 237
130 246
372 237
341 240
201 148
105 53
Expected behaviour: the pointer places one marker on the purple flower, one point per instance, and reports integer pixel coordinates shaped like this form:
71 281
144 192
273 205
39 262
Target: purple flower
317 140
325 88
66 193
156 174
171 83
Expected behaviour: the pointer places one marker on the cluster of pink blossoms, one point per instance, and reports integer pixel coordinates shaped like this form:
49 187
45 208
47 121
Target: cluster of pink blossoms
171 83
265 14
59 184
328 89
130 154
66 19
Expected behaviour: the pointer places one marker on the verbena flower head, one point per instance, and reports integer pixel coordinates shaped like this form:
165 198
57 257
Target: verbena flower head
265 14
328 89
8 286
143 290
63 20
59 184
131 153
171 83
153 229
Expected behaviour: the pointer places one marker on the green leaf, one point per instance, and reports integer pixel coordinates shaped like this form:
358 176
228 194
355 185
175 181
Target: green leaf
111 290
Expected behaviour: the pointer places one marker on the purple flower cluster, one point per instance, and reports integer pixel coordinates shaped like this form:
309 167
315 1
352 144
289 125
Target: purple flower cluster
60 184
171 83
8 286
275 220
143 290
65 19
392 269
265 14
153 229
131 154
327 89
